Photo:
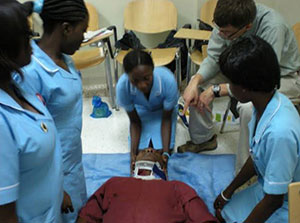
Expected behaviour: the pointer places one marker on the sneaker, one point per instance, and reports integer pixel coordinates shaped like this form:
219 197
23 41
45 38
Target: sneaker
197 148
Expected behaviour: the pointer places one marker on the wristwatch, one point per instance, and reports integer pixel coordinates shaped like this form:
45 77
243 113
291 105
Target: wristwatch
216 90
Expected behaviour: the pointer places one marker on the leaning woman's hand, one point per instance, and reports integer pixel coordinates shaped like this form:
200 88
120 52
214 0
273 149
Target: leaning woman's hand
67 205
219 205
132 163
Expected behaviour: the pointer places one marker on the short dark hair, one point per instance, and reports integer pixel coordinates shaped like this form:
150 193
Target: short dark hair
135 58
58 11
15 31
251 63
237 13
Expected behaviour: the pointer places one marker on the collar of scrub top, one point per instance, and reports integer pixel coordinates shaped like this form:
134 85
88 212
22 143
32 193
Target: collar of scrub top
48 64
156 87
7 100
270 111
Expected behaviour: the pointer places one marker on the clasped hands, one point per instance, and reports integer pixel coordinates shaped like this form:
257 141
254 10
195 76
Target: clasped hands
201 101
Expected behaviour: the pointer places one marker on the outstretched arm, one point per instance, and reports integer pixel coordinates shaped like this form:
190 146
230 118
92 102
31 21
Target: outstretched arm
194 207
135 135
166 129
95 207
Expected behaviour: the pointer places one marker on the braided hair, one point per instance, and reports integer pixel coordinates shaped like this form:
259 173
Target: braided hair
15 33
54 12
135 58
57 11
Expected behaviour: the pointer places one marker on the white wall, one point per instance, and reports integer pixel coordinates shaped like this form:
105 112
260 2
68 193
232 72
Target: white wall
111 13
288 8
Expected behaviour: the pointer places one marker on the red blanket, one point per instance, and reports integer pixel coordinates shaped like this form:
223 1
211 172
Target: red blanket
126 199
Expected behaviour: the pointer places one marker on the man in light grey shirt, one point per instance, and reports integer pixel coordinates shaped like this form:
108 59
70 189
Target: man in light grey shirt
233 19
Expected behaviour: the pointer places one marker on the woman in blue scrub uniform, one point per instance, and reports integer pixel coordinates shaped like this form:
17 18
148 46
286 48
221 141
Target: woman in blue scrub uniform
52 75
149 95
31 180
251 66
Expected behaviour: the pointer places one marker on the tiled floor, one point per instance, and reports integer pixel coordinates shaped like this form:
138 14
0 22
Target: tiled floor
110 135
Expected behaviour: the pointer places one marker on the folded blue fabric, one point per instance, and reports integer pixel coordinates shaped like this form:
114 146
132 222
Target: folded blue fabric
207 174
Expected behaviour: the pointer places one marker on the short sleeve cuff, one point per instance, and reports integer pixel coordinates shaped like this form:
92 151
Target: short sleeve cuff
276 187
9 194
128 108
169 105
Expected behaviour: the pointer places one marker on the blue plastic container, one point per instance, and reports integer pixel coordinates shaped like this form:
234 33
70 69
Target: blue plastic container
100 109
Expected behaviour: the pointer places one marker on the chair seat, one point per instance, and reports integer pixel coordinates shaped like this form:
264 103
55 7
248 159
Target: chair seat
87 58
121 55
160 56
294 202
197 57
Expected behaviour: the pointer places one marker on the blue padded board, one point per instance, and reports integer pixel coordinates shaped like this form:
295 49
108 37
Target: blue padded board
207 174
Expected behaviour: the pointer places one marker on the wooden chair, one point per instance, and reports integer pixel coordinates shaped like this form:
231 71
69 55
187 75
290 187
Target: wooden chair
196 56
206 15
296 29
96 54
151 17
294 202
90 57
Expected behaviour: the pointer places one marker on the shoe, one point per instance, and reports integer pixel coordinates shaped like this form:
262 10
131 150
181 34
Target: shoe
197 148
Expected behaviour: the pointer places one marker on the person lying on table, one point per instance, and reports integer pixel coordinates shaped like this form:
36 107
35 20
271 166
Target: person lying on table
145 197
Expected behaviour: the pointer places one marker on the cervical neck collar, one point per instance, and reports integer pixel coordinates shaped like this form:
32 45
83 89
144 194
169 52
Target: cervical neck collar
154 167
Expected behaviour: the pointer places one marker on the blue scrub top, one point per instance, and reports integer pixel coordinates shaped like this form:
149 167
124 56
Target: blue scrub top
30 161
275 146
61 91
163 96
275 150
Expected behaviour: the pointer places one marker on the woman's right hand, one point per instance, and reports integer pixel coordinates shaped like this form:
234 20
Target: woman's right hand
220 201
219 205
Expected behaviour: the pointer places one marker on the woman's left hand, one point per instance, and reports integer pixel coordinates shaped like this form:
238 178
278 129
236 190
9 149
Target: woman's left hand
67 205
219 216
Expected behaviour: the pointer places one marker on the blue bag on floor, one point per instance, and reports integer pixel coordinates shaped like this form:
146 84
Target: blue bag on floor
100 109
